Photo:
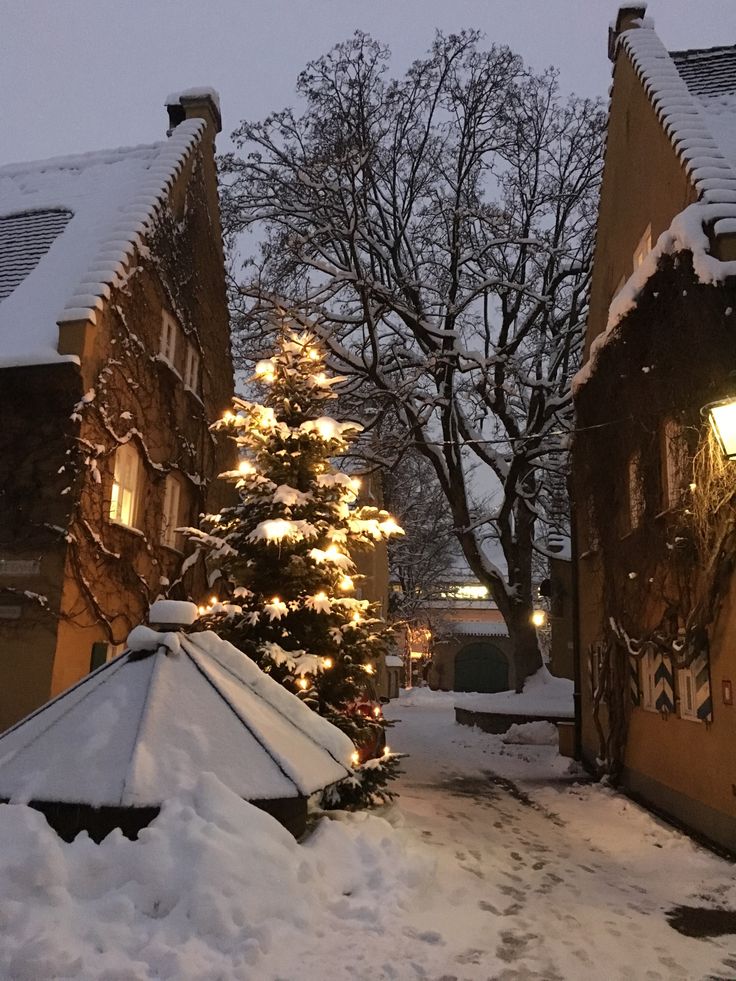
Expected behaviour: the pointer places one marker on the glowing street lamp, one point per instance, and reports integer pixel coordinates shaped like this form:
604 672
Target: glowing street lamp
539 618
722 418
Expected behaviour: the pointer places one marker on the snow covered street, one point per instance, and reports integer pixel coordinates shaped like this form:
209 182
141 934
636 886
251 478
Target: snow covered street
495 864
538 875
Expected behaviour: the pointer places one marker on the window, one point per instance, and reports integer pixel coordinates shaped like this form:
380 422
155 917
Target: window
686 690
169 331
674 462
179 353
648 668
634 494
693 690
191 368
125 486
103 652
643 248
171 513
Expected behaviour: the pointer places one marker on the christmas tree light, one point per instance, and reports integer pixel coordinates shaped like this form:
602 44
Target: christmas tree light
286 553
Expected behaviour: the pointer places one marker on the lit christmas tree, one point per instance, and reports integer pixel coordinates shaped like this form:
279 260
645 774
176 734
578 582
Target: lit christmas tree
285 551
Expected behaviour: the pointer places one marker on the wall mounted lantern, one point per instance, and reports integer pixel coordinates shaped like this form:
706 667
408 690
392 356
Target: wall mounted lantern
722 418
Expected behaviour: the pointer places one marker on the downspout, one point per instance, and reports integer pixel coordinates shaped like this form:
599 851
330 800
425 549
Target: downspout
576 658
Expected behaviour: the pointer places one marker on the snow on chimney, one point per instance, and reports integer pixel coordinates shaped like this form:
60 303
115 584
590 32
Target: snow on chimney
172 614
200 103
629 15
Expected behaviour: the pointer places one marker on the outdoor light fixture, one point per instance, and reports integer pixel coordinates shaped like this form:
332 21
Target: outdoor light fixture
722 417
539 618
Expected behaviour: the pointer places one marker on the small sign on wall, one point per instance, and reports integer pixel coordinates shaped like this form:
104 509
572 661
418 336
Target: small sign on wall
727 690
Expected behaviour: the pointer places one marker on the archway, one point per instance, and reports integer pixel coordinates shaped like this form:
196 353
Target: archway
481 667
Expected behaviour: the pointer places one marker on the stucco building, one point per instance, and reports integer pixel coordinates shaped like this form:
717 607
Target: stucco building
114 360
654 496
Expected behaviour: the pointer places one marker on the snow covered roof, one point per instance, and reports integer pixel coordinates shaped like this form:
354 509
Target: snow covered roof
394 661
24 240
708 72
694 95
143 727
55 272
478 628
677 97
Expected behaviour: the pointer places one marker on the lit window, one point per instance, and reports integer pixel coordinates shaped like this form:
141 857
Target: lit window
124 497
191 369
467 592
167 346
171 513
674 463
634 493
643 248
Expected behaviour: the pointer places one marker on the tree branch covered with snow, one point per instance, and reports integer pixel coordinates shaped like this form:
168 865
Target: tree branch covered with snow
437 229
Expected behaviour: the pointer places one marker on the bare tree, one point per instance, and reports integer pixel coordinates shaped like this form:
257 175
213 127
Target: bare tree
437 230
420 563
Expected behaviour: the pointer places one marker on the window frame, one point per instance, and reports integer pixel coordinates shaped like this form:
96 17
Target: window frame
648 688
172 504
685 677
674 462
127 479
168 340
192 366
635 502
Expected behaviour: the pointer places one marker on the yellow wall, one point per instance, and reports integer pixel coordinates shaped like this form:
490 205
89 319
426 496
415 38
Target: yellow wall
644 184
43 654
685 768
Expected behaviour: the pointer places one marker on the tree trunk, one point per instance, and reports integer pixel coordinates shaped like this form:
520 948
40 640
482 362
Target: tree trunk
527 658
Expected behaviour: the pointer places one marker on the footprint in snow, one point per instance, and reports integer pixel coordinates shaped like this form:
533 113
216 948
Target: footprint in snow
427 936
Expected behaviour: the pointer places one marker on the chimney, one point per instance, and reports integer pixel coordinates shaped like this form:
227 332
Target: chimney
626 18
201 103
172 615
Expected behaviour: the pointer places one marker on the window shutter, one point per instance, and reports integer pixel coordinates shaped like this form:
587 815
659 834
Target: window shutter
703 701
664 685
634 689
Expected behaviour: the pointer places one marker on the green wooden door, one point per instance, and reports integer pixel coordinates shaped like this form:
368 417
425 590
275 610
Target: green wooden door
481 667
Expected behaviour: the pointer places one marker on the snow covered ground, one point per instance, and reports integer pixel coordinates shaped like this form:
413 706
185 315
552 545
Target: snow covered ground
496 863
543 694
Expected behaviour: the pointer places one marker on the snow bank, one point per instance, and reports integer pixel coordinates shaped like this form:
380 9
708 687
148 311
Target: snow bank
426 698
531 734
187 901
543 694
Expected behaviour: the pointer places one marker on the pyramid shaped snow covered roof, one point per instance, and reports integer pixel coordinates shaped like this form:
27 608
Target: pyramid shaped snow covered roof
143 727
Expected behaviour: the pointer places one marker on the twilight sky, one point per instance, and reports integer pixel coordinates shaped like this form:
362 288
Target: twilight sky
79 75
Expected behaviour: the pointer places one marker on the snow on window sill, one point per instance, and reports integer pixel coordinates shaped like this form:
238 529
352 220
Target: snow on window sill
130 528
172 548
160 359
